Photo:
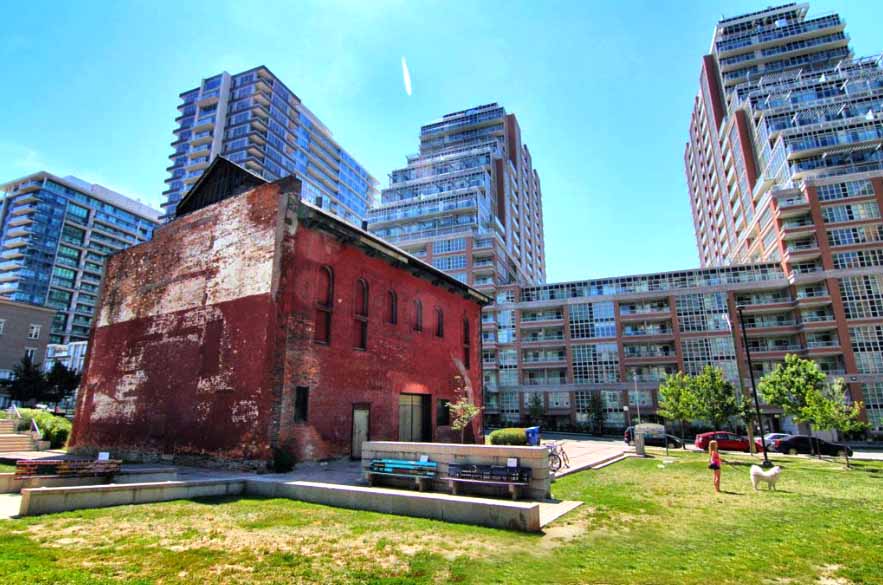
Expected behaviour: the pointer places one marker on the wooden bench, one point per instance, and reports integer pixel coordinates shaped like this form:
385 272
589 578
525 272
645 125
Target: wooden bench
514 479
26 468
422 472
514 487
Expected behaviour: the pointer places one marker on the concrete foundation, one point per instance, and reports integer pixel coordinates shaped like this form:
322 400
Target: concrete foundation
536 458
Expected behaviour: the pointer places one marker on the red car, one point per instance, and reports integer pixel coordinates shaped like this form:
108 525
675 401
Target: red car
725 441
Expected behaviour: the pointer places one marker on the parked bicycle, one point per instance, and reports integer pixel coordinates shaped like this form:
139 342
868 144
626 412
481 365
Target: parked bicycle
557 456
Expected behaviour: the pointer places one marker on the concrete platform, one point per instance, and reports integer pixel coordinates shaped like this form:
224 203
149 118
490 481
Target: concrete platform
527 516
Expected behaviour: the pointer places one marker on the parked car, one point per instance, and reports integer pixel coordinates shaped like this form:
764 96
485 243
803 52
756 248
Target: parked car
726 441
806 445
671 441
770 437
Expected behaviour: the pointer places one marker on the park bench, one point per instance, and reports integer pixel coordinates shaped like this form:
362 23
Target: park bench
27 469
514 479
422 472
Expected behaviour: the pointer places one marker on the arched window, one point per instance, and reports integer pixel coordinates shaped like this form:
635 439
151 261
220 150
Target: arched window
418 315
439 322
467 344
361 315
324 305
392 307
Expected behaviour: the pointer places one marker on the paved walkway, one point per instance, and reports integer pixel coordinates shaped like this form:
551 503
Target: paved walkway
586 453
9 505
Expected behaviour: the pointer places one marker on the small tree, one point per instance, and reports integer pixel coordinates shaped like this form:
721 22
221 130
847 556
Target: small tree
597 413
745 411
61 383
714 396
829 411
535 408
27 384
462 410
677 402
790 386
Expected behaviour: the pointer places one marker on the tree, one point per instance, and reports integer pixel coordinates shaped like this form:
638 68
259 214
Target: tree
535 408
829 410
27 383
715 397
61 382
597 413
676 399
789 385
745 411
462 410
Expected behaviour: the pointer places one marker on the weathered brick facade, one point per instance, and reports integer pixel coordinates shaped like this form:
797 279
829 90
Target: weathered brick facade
203 335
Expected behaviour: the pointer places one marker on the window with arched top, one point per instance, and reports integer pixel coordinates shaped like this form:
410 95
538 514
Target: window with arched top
418 315
324 305
439 322
467 344
360 318
392 307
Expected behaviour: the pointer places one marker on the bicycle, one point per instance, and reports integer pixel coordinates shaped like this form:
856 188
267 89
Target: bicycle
557 456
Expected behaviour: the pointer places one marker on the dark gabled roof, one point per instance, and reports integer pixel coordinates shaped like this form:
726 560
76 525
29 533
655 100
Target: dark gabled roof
221 180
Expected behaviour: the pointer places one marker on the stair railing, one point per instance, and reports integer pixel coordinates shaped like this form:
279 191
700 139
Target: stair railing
36 433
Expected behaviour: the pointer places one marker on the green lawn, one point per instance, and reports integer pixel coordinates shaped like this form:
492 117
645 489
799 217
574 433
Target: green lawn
4 468
644 521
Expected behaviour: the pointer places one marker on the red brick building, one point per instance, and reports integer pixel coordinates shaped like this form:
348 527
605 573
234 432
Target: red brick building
256 321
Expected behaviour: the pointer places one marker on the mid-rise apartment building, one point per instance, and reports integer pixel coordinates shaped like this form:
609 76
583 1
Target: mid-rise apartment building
620 337
470 202
253 119
55 234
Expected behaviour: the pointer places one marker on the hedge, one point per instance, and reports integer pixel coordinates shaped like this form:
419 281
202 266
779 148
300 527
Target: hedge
55 429
512 436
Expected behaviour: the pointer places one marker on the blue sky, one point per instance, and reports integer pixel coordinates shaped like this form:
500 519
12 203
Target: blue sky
602 90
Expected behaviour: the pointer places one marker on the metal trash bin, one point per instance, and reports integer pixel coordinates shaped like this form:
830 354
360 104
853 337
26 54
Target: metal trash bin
533 436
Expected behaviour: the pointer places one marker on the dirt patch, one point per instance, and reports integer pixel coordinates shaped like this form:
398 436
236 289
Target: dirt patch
827 576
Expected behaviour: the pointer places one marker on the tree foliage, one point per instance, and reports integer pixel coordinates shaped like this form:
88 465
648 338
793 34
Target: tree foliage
535 408
829 410
714 396
463 410
790 385
61 382
676 399
27 383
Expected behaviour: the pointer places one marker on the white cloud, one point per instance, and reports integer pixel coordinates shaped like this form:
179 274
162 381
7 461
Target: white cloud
406 76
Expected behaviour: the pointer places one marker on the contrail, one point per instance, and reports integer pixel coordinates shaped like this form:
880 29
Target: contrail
406 76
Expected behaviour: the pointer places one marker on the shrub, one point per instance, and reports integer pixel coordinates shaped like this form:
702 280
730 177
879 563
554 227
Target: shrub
511 436
55 429
283 460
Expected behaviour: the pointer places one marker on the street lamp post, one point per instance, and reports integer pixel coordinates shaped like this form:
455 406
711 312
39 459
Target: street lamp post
766 459
637 398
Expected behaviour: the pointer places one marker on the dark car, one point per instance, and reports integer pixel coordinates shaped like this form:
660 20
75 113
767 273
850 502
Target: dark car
806 445
670 441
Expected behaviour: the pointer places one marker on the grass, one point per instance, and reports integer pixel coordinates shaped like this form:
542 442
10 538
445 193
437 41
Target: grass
4 468
644 521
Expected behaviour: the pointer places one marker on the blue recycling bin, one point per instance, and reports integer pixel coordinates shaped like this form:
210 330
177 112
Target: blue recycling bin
533 436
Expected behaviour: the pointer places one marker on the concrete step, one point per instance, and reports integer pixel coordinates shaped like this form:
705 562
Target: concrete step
7 425
611 461
16 443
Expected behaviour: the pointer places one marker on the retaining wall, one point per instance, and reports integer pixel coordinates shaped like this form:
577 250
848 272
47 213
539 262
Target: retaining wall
536 458
10 485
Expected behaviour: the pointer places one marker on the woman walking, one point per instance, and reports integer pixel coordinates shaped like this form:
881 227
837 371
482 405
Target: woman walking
714 463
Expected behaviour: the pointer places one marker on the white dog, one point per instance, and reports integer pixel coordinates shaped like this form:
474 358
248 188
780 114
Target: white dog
770 477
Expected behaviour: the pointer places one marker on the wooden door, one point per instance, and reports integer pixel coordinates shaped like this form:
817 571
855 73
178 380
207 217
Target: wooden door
361 424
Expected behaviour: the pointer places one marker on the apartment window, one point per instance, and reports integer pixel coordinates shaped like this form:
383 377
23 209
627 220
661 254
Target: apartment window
301 403
699 352
702 312
867 346
591 320
418 315
439 323
392 307
467 345
862 296
34 331
31 353
324 305
2 326
597 363
361 316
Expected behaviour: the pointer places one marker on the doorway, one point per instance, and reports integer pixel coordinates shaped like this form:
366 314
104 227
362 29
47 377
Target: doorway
361 425
415 423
